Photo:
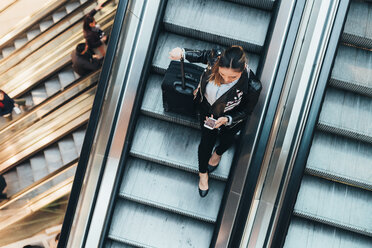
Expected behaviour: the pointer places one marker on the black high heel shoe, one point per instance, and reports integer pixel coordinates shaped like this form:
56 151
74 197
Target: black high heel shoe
203 193
212 168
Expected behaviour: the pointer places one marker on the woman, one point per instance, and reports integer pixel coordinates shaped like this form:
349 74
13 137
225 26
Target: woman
227 93
93 35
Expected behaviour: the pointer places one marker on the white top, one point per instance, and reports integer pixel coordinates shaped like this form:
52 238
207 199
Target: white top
213 91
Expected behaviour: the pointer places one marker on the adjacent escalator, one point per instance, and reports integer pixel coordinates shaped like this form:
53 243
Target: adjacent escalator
333 207
158 204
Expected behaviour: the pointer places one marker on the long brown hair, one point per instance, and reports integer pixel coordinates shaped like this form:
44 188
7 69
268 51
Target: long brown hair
233 57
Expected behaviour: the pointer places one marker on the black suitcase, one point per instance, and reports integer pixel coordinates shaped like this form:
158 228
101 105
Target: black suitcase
179 83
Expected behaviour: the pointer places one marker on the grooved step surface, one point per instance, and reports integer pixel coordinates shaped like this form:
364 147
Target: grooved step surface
341 159
72 6
20 42
53 158
25 175
358 25
7 51
150 227
58 15
78 137
52 86
45 24
39 94
152 104
307 234
168 41
39 166
66 77
353 70
218 21
115 244
347 111
171 189
33 33
336 204
264 4
40 170
67 149
12 181
173 144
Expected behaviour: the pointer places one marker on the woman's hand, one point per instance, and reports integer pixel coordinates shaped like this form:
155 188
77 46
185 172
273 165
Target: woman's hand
175 54
221 121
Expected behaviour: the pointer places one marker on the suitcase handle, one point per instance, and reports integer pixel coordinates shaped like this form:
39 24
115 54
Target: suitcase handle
182 74
186 89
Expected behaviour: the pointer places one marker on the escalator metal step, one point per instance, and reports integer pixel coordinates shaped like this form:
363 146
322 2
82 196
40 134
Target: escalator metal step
39 94
11 179
341 109
54 161
352 70
67 149
335 204
25 175
20 42
39 171
52 86
45 24
78 137
341 159
358 25
308 234
7 51
33 33
219 22
170 189
66 77
152 104
168 41
72 6
174 145
142 226
113 244
58 15
263 4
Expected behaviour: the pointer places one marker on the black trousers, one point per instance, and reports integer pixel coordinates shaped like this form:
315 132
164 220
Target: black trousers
208 140
2 184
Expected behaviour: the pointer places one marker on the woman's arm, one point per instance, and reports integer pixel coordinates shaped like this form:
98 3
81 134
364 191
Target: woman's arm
192 55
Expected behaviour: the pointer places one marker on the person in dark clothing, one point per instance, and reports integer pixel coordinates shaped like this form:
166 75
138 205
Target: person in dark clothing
2 188
227 92
84 61
7 104
94 36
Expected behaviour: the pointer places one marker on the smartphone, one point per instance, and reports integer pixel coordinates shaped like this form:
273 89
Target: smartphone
210 123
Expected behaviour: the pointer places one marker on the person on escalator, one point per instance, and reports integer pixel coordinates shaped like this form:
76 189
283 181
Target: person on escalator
227 94
84 61
94 36
7 105
2 188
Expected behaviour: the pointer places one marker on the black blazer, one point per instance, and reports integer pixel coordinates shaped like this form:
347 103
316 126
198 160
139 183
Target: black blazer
8 105
238 102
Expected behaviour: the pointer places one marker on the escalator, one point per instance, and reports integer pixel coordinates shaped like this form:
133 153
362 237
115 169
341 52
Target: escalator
333 206
40 149
55 13
157 203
